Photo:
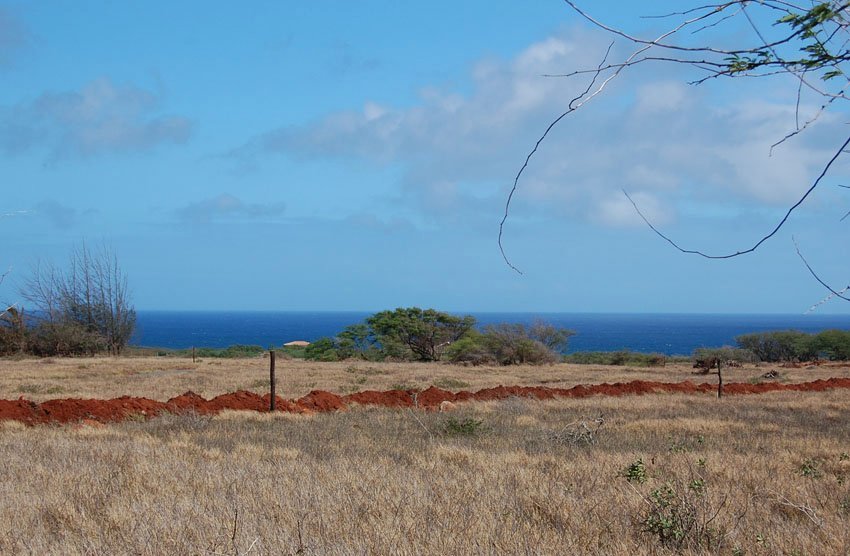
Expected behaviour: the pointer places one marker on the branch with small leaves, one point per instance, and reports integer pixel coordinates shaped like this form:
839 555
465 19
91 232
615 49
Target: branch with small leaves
810 44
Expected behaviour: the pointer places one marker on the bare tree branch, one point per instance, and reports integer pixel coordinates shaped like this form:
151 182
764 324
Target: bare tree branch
832 292
572 107
2 278
764 238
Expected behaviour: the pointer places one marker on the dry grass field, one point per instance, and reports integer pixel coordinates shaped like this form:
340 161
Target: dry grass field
161 378
658 474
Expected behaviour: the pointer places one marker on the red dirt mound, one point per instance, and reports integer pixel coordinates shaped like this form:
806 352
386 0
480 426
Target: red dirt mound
103 411
392 398
319 400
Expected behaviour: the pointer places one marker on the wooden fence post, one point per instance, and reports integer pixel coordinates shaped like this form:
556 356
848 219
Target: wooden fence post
271 380
193 354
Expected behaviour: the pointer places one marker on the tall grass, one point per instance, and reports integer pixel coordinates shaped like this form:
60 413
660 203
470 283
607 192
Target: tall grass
771 476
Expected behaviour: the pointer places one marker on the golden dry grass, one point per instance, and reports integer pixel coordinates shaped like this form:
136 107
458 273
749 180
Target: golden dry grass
765 474
161 378
373 481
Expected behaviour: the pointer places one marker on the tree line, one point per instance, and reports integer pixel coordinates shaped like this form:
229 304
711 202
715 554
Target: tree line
83 308
414 334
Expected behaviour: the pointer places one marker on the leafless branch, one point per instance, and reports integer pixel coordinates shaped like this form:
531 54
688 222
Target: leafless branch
2 278
802 508
574 105
832 292
808 122
764 238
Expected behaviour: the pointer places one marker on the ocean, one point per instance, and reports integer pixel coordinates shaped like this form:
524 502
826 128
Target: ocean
671 334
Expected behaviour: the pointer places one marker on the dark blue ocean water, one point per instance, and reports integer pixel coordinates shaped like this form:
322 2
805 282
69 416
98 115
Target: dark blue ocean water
663 333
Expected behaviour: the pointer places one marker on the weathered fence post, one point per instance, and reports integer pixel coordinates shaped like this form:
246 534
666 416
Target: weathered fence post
271 380
193 354
719 379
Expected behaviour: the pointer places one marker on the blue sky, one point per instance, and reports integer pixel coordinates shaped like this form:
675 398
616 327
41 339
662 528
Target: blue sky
357 156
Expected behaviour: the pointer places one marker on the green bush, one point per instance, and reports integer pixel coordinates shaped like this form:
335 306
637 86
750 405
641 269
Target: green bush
471 349
239 350
620 358
832 344
774 346
323 349
793 345
64 338
511 344
462 427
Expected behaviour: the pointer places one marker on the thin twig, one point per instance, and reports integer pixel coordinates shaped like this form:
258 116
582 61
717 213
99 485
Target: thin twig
816 277
571 107
758 244
418 420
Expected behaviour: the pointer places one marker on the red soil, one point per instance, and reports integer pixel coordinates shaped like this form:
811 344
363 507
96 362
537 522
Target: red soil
117 409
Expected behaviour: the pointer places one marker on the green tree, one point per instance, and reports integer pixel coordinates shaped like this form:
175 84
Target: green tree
356 341
833 344
323 349
776 345
414 333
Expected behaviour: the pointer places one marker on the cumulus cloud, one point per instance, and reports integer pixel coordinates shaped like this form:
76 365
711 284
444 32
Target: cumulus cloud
228 207
101 117
650 135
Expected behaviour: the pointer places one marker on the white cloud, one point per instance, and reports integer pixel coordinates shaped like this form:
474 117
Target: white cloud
616 210
643 134
101 117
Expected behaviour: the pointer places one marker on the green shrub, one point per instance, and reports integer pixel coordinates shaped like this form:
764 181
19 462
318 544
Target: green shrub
635 472
239 350
64 338
471 349
793 345
620 358
462 427
773 346
832 344
511 344
323 349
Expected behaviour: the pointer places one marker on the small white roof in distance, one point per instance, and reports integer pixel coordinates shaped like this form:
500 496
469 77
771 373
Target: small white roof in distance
296 343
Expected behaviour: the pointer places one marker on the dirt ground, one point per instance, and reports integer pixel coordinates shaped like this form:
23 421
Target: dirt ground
162 378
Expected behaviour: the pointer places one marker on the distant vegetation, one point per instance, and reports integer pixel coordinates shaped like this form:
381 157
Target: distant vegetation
414 334
793 345
621 358
83 308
